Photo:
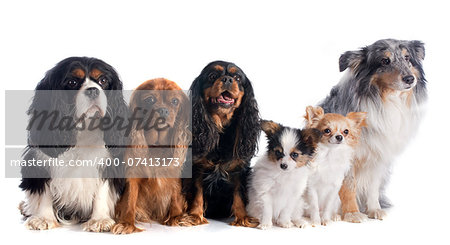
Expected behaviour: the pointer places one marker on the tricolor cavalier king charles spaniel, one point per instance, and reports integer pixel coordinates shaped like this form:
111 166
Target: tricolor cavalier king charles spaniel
75 95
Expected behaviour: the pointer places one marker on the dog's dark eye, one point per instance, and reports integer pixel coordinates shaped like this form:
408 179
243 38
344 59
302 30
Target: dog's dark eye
212 76
103 81
150 100
175 101
407 58
279 154
327 131
346 131
385 61
72 83
294 155
237 78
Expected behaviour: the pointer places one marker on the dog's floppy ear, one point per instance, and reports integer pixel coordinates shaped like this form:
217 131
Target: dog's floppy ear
248 128
270 127
182 136
359 118
52 141
417 49
205 135
313 114
351 59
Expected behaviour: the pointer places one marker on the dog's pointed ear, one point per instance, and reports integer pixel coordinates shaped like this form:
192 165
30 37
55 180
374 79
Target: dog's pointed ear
418 49
270 127
359 118
351 59
311 136
313 114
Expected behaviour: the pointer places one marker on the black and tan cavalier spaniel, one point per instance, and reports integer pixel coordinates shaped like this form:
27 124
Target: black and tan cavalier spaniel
226 129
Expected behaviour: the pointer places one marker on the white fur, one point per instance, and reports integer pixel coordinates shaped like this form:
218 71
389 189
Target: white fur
73 187
86 106
275 195
76 188
329 168
389 130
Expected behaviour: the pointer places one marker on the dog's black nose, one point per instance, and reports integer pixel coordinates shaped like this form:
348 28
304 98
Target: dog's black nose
408 79
92 93
227 80
283 166
163 112
339 138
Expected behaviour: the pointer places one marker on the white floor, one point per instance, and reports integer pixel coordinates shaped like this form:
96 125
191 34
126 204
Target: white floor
419 191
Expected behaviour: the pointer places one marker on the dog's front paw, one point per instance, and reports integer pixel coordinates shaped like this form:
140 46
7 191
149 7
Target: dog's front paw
285 224
300 223
195 219
325 222
125 228
355 217
181 220
98 225
376 214
246 221
315 221
40 223
264 226
336 217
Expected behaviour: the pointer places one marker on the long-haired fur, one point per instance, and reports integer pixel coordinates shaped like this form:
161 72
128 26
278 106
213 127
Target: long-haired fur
156 195
47 202
385 79
223 144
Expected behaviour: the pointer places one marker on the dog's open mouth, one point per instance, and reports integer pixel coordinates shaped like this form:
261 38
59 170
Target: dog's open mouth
224 98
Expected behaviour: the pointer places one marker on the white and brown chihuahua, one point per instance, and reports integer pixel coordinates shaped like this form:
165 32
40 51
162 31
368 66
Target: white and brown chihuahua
332 161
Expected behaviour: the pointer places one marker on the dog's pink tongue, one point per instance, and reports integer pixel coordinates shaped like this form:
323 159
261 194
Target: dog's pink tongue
225 99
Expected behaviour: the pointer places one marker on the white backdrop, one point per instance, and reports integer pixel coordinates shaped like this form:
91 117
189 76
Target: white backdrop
290 52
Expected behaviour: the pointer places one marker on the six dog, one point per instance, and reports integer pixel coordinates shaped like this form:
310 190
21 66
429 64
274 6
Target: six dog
384 81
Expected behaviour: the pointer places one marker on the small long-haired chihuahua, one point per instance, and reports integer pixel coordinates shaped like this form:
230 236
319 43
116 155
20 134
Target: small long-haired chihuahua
333 160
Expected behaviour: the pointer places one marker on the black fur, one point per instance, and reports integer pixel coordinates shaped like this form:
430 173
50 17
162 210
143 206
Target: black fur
307 139
54 80
235 142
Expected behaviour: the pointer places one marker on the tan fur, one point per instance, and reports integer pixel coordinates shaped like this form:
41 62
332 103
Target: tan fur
239 212
270 127
222 116
158 198
353 121
78 73
219 67
95 73
232 69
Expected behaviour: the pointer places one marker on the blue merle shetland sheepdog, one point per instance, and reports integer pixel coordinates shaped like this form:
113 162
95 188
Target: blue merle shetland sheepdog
387 81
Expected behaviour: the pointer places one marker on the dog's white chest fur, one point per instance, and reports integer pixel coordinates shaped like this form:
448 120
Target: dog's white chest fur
329 167
74 188
273 191
389 128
